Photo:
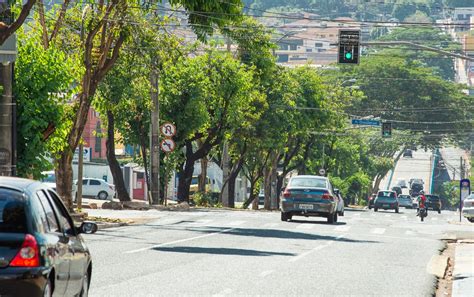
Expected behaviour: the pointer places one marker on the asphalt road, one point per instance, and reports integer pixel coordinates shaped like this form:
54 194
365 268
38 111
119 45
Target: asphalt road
418 166
246 253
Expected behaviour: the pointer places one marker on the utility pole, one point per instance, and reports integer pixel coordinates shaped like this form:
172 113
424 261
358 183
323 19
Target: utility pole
225 161
155 135
461 168
6 118
80 169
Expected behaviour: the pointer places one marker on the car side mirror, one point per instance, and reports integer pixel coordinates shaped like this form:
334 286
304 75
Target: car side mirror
88 227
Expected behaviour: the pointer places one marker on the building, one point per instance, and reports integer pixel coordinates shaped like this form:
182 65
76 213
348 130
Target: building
309 41
95 135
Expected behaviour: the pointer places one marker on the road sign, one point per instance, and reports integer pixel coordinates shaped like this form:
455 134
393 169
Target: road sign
365 122
349 49
322 171
465 190
168 130
387 130
167 145
86 154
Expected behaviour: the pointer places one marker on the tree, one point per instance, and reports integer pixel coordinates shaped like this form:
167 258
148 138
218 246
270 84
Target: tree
106 26
8 24
215 95
43 92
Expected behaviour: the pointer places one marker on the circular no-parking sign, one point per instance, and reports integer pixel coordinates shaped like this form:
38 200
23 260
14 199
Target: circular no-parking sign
167 145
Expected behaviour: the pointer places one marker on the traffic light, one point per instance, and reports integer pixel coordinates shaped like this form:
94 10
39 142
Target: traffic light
349 41
386 130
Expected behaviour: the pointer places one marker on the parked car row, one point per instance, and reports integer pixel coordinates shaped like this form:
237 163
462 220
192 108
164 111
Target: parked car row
91 187
391 200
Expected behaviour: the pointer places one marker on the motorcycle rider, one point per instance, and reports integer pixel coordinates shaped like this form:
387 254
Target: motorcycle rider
421 203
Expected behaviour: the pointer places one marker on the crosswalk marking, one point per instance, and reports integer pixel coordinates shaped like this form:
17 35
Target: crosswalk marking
378 231
305 226
342 228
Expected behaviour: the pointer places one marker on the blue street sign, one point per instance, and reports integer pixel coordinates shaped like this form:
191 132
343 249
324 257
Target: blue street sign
465 190
365 122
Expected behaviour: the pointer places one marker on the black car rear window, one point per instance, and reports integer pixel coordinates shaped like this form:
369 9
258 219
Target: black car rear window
12 211
386 194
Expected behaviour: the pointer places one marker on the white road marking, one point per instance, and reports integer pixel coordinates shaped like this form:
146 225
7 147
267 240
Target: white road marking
317 248
388 215
177 241
342 228
357 215
404 217
434 219
372 214
408 232
378 231
305 226
236 223
266 273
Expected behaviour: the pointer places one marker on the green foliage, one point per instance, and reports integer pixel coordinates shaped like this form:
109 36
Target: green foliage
433 37
206 200
43 88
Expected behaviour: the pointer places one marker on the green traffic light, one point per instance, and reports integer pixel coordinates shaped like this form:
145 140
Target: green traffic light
348 56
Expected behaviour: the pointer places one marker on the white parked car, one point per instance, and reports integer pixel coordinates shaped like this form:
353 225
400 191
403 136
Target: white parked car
49 180
468 208
97 188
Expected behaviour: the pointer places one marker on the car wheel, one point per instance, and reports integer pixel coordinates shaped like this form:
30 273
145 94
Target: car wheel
85 286
102 195
470 220
48 289
284 217
342 213
332 218
439 210
396 210
370 207
376 209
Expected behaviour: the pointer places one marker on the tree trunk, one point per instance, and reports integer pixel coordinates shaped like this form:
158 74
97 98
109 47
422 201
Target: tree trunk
274 177
114 165
203 177
186 175
267 187
64 178
145 164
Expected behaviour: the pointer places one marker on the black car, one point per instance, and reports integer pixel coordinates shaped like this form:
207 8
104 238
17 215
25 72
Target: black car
433 202
41 251
408 153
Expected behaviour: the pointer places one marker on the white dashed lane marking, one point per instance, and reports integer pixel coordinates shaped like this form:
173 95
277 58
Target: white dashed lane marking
378 231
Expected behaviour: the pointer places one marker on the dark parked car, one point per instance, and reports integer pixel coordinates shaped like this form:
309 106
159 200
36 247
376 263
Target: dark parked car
41 251
433 202
415 189
386 200
309 195
408 153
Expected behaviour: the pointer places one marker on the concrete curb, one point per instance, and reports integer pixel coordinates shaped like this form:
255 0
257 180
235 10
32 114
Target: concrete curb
103 225
437 265
463 273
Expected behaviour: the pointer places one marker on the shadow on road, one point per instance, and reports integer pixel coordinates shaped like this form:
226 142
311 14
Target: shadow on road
219 251
316 222
269 233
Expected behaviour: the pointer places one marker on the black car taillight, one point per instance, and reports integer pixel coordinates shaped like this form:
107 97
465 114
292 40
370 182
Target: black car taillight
28 255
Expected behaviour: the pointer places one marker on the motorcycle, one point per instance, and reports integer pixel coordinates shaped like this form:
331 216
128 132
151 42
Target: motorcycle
422 213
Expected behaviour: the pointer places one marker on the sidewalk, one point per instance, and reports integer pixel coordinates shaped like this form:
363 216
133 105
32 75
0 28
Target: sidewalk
463 274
